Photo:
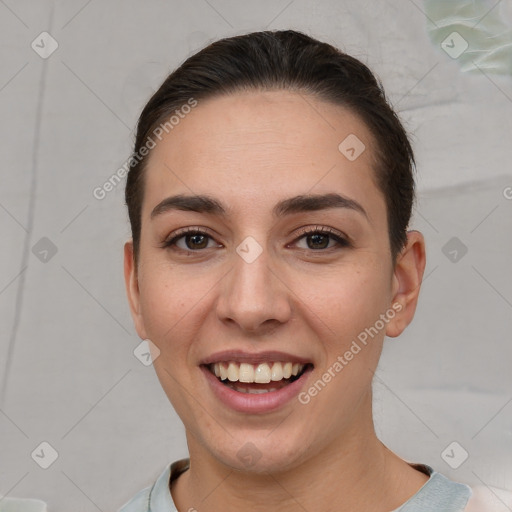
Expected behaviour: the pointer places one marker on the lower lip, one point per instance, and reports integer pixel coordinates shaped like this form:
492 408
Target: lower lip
255 403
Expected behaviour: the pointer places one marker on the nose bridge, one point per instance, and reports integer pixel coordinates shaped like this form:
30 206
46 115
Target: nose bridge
252 294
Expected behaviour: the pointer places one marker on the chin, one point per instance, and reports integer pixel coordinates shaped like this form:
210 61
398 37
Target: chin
261 456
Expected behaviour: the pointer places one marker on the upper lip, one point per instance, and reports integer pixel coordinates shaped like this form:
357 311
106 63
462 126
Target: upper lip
254 357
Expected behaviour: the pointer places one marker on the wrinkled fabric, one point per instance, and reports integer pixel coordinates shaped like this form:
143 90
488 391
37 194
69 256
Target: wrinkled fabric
479 24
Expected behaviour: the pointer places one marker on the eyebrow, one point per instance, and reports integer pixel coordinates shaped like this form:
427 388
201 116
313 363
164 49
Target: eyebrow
297 204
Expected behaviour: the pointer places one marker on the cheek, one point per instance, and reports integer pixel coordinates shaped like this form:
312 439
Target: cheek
166 312
345 315
348 301
163 305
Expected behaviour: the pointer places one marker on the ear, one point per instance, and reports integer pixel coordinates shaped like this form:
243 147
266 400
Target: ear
132 289
407 277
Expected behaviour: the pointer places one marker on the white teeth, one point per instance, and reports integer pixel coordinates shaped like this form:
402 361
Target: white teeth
252 391
277 372
260 373
233 372
246 373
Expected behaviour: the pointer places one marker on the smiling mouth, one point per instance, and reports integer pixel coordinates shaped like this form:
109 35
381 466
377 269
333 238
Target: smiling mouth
258 378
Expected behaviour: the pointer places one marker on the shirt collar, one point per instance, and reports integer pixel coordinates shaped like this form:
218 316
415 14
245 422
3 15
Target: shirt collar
160 498
454 494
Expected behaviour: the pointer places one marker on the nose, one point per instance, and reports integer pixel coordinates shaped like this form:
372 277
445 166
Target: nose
254 296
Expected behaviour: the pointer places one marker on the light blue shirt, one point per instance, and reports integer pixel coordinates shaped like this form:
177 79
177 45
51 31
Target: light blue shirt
438 493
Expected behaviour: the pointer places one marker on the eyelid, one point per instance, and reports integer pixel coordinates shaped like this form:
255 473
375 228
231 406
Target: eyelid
338 236
318 227
171 238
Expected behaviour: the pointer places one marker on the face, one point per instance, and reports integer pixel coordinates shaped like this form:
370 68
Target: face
286 259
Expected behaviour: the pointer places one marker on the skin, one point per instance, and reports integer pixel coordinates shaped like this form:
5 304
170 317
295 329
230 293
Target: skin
249 151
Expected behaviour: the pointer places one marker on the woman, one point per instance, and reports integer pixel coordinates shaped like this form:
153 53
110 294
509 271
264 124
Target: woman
269 198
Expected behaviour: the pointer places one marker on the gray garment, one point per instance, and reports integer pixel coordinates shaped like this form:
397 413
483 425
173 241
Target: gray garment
438 494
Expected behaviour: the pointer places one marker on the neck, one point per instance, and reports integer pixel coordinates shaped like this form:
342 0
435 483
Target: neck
353 472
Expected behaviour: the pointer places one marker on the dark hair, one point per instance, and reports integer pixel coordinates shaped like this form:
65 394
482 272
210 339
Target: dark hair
286 60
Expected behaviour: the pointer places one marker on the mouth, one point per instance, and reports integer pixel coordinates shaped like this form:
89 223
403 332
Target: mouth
259 378
256 384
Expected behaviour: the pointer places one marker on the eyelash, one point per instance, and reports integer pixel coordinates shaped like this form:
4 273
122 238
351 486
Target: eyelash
338 238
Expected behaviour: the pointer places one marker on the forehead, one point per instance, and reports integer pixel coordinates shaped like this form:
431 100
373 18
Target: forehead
261 144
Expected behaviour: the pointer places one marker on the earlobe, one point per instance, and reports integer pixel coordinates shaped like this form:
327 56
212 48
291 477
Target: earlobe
407 278
132 289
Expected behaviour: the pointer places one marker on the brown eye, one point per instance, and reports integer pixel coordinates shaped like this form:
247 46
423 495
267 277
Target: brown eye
321 239
190 240
318 241
197 241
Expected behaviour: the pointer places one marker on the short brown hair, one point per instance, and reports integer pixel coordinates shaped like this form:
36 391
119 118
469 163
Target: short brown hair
286 60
